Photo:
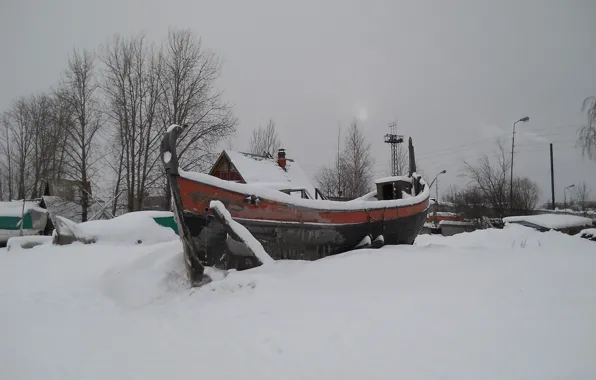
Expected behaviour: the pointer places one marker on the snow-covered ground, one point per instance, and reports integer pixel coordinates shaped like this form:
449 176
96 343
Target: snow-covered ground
493 304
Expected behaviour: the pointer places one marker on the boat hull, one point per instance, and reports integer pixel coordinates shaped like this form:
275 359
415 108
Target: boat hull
287 228
293 242
286 234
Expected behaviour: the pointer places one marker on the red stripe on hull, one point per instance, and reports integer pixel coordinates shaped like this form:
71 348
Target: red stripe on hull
197 196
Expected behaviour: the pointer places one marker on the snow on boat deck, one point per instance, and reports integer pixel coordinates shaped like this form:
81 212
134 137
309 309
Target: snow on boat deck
494 304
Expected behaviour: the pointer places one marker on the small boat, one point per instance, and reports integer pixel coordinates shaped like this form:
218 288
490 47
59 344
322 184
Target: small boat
288 227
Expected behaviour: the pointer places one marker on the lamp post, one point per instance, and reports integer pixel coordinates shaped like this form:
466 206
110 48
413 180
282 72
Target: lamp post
437 192
565 197
523 120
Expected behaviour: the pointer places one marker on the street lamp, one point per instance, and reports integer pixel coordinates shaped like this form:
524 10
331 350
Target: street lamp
565 196
523 120
437 192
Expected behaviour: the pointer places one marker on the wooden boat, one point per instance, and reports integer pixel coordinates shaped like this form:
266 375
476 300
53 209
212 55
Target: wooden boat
288 227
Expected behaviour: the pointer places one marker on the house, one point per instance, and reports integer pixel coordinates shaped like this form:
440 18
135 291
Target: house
66 189
280 173
63 197
153 202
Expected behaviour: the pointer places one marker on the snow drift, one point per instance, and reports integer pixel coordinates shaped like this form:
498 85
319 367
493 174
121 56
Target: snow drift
494 304
131 228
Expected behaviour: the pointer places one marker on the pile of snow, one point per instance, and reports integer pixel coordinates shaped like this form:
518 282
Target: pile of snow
473 306
131 228
588 233
551 221
25 242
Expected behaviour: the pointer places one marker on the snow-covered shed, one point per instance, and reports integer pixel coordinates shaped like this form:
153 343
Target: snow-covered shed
280 173
569 224
63 197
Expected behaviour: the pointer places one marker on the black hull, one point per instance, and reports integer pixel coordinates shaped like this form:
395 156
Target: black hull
292 241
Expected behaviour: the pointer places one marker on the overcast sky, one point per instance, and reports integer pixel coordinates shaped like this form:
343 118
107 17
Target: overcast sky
454 74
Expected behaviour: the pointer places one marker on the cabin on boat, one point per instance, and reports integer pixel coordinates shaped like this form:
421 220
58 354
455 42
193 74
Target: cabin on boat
280 173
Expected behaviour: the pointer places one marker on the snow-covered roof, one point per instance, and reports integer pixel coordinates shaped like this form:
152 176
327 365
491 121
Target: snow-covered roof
552 221
69 210
266 171
15 208
454 223
393 179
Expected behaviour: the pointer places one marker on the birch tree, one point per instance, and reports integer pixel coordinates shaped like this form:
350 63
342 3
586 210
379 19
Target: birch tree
132 88
265 140
189 96
18 145
587 134
357 162
79 91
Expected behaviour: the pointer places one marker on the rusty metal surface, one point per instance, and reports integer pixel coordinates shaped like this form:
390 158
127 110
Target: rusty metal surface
297 241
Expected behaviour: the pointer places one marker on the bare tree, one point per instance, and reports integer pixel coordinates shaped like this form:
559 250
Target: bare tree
132 89
357 163
491 178
47 134
587 134
526 195
331 179
7 162
78 91
265 141
32 144
188 96
469 201
351 173
18 145
328 181
582 196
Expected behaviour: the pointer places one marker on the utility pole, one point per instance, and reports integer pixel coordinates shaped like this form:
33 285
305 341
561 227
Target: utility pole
552 176
437 201
339 192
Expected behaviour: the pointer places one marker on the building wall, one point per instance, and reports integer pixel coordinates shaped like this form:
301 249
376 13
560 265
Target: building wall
226 171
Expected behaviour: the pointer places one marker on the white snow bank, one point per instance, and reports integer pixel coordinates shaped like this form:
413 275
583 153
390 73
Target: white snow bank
131 228
26 242
511 237
254 245
554 221
267 193
438 311
152 277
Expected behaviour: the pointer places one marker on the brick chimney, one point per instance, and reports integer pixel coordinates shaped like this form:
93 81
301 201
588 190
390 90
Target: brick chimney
281 158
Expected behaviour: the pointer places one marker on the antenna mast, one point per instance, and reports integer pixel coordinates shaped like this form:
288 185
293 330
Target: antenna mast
393 139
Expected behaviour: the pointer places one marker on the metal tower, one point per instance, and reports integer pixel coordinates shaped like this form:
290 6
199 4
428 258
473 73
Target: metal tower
393 138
